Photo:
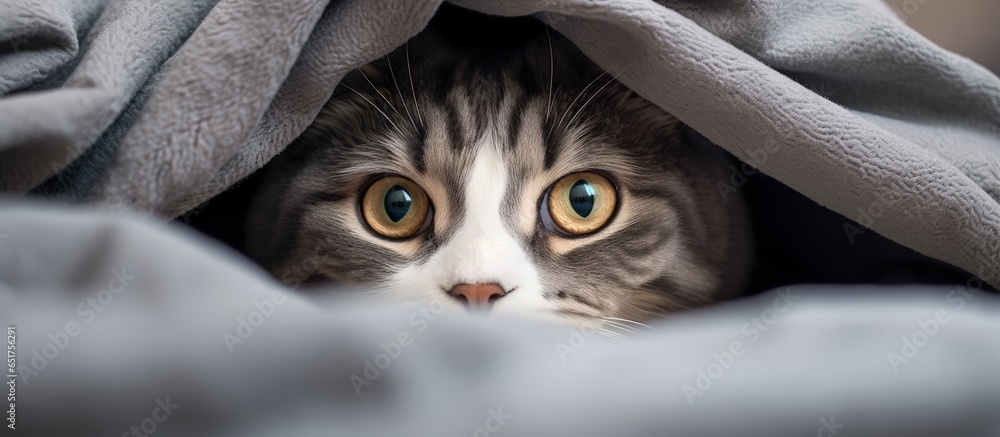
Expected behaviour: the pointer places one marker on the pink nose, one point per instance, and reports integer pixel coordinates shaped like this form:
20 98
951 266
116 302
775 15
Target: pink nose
477 295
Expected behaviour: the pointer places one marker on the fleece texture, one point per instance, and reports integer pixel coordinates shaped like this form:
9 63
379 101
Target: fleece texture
170 102
115 318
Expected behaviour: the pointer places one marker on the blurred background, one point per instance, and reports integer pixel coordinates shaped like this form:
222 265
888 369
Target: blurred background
970 28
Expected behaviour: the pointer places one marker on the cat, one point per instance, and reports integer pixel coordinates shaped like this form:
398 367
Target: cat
516 177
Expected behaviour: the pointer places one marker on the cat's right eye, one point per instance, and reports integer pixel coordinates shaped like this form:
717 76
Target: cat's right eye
396 207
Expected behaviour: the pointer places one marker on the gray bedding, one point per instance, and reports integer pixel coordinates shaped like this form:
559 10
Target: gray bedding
187 327
151 108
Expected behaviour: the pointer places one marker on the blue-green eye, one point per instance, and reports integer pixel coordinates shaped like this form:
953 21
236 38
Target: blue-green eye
581 198
397 203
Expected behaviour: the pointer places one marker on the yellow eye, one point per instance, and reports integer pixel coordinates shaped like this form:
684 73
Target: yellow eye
580 203
395 207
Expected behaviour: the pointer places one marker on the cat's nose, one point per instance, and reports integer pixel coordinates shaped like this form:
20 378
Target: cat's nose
477 295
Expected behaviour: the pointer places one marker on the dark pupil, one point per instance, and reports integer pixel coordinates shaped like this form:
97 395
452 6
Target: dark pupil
581 197
397 203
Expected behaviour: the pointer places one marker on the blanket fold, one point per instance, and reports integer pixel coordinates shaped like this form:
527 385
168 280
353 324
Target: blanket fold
43 131
206 336
40 37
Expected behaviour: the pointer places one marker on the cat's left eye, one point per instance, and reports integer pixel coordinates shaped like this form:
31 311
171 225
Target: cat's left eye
396 207
579 203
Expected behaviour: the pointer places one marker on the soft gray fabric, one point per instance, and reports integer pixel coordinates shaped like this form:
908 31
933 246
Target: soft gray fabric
819 364
42 131
206 136
39 37
837 99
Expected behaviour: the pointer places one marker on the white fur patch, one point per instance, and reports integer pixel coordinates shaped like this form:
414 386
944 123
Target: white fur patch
482 250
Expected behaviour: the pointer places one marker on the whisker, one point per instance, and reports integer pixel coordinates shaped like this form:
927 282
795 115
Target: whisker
582 92
398 91
621 326
416 106
630 321
607 333
376 107
570 107
578 111
379 92
548 106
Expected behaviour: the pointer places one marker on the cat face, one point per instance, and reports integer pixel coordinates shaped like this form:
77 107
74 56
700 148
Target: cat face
502 179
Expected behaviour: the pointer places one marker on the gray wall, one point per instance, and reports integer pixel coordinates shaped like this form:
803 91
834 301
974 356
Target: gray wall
968 27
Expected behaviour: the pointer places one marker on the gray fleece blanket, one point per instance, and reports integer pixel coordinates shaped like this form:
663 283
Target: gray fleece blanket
123 327
154 106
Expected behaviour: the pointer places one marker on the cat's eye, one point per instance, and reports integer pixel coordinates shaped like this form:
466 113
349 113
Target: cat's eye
579 203
396 207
